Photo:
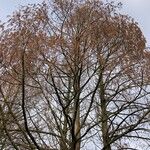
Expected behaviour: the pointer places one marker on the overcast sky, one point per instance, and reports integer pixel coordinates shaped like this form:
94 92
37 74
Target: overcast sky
138 9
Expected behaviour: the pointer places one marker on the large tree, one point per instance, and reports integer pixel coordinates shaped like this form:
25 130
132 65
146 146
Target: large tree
74 75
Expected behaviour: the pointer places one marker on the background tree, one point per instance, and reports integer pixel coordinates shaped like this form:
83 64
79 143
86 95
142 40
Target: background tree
73 74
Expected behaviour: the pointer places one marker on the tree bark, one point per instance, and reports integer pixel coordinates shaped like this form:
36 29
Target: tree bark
104 118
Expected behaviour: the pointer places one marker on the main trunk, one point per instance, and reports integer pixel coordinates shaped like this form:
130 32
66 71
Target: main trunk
104 118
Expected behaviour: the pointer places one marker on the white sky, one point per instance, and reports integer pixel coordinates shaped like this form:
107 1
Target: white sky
138 9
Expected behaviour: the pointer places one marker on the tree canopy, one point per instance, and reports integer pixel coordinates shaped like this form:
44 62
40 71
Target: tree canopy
74 74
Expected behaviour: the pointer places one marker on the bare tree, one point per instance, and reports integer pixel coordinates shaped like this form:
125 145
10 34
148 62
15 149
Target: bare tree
73 74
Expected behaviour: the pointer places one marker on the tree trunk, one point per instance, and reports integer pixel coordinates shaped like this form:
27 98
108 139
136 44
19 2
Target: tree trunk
77 130
104 119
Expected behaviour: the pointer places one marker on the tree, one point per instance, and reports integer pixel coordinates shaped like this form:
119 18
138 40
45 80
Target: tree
72 73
